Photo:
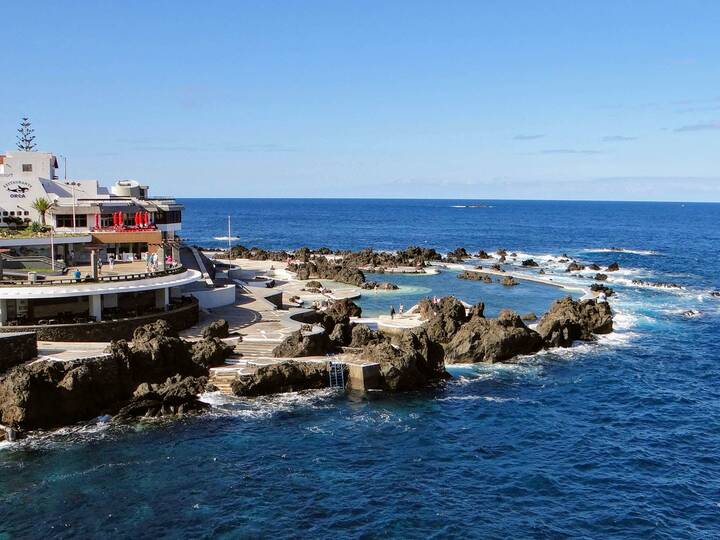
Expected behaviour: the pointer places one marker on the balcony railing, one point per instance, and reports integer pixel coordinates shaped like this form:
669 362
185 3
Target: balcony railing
175 269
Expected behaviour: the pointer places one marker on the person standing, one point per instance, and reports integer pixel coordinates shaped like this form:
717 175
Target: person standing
401 310
392 312
111 262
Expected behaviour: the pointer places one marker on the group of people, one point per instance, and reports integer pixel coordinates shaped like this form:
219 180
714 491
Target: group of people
111 264
151 262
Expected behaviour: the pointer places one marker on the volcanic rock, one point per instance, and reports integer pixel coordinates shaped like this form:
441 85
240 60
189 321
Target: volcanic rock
362 336
475 276
216 329
288 376
447 317
492 340
301 343
569 320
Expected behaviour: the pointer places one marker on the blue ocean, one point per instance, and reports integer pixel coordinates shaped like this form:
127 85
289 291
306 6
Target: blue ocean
614 439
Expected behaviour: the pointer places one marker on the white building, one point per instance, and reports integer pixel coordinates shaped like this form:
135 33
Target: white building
123 219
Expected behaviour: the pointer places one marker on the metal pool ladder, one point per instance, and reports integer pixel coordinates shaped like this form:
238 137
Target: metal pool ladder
336 372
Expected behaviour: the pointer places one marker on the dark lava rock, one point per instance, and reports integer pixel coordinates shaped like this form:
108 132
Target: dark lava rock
361 336
382 285
313 285
210 352
492 340
342 310
446 319
478 310
475 276
341 334
614 267
457 255
600 277
302 343
415 363
597 287
497 267
501 252
530 316
47 394
177 395
569 320
529 263
510 281
593 267
659 284
574 267
216 329
483 255
288 376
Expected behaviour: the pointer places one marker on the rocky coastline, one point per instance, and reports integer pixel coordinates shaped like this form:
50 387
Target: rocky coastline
160 374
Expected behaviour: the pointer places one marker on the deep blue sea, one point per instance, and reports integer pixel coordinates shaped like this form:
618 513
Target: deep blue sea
615 439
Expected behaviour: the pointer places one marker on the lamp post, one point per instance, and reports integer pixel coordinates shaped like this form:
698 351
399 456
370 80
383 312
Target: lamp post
52 250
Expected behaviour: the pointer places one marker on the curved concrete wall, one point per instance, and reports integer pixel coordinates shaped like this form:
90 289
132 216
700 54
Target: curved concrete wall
180 318
217 297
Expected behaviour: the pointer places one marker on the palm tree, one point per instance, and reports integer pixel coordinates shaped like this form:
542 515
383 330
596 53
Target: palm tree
42 205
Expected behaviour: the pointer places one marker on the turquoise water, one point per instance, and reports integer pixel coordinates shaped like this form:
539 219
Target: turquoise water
523 298
617 439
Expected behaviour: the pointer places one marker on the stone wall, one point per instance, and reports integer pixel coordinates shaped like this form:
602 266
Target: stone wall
17 347
180 318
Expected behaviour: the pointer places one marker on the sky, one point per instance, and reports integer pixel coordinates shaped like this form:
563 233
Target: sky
611 100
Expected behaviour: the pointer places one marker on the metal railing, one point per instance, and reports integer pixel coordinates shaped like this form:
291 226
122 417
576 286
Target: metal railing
176 269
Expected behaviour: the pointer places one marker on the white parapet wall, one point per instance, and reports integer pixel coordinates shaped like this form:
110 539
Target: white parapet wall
216 297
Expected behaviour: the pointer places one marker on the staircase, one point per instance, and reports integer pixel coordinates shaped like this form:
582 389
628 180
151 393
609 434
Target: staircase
248 354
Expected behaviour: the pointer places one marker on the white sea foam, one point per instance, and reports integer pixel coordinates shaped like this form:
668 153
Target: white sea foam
622 250
481 398
268 406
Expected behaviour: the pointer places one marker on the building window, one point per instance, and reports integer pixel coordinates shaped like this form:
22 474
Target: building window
12 212
27 213
5 213
27 167
171 216
66 220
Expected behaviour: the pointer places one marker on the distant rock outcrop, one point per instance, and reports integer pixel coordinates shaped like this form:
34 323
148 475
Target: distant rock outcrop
475 276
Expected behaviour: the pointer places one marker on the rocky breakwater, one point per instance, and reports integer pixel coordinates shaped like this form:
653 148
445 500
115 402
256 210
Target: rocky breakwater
157 374
322 268
415 360
468 337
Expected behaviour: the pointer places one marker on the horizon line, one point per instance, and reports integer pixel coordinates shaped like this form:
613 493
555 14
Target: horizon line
450 199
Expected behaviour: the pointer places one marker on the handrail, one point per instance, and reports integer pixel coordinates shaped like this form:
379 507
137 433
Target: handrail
178 269
30 258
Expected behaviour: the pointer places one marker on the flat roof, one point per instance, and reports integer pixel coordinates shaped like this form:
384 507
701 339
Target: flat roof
104 287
